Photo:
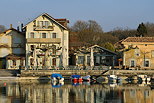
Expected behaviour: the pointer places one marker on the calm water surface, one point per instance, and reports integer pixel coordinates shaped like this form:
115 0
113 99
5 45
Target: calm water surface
47 92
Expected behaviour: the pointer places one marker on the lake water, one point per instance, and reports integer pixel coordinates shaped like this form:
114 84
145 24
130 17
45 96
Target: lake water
67 92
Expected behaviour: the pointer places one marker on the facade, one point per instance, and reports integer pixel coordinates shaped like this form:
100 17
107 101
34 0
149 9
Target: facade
46 42
138 52
12 49
94 56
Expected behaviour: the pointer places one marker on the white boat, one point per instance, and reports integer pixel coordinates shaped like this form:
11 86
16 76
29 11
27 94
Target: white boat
112 78
86 78
144 78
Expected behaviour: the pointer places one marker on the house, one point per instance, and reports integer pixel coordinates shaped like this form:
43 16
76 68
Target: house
12 49
46 42
138 52
94 56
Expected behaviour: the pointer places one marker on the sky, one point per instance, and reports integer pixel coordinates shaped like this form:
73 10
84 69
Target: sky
110 14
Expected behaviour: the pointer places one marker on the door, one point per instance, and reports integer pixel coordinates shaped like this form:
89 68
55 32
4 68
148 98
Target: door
54 61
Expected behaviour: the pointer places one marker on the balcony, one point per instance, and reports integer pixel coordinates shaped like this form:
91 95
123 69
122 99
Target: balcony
43 28
44 40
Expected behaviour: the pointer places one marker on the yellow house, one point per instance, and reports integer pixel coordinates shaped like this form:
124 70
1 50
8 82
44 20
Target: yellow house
138 52
46 42
12 49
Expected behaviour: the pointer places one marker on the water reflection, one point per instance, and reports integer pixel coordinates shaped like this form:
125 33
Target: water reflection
36 92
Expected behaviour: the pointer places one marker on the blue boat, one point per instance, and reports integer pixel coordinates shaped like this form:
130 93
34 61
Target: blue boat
76 76
57 77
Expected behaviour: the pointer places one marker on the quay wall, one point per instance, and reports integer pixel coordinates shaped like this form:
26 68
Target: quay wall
25 73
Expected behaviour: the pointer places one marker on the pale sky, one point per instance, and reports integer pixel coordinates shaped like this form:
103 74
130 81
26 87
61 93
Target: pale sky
108 13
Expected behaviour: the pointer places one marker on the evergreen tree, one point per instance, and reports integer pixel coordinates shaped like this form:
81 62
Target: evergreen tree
142 30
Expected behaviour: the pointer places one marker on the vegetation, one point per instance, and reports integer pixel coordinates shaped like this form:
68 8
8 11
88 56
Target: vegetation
142 30
92 33
2 28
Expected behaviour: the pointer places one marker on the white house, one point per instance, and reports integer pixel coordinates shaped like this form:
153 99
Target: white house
46 42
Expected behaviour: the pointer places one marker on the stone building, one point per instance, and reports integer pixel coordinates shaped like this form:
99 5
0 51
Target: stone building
12 49
138 52
46 42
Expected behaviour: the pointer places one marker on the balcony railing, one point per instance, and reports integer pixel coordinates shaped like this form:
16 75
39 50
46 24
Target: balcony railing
43 28
43 40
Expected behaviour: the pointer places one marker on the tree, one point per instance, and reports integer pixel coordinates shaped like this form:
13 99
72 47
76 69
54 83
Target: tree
142 30
109 46
2 28
121 33
88 32
150 29
79 26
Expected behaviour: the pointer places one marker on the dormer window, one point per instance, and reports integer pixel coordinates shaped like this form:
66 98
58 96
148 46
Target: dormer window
43 24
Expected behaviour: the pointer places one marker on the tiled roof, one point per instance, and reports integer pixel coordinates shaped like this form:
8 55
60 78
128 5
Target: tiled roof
139 39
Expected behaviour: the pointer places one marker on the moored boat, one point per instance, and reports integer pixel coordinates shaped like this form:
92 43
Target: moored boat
57 77
86 78
76 78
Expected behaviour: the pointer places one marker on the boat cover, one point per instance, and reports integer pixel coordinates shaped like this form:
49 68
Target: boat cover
75 76
56 75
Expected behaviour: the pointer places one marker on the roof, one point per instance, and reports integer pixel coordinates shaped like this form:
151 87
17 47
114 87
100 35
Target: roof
10 29
50 17
139 39
94 46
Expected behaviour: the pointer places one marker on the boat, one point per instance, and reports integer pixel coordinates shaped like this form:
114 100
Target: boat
144 78
86 78
76 78
112 78
57 77
100 79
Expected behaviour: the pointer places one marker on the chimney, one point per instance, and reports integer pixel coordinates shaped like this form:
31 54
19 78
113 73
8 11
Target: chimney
10 26
22 27
18 28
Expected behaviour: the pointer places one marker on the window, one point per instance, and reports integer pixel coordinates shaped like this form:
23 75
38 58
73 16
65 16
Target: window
146 63
43 24
81 60
46 23
132 63
44 35
14 62
21 62
88 60
32 35
53 35
54 49
54 61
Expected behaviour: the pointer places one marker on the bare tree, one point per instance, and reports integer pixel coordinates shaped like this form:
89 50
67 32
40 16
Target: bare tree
89 31
2 28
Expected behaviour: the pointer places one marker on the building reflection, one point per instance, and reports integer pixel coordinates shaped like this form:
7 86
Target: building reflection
45 93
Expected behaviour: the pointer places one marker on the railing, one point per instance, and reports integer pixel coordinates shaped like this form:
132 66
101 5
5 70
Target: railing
43 28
